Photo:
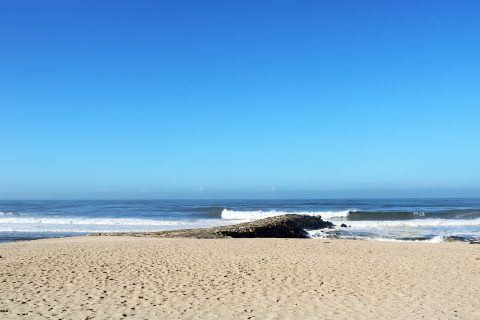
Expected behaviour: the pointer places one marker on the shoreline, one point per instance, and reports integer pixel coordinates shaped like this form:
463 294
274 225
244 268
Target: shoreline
444 240
126 277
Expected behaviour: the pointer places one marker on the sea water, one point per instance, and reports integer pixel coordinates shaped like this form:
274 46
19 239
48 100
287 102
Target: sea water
433 220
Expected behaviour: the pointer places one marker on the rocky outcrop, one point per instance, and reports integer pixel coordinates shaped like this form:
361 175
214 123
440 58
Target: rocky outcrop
286 226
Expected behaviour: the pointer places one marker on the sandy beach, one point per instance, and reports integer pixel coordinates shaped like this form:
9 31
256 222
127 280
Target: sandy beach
146 278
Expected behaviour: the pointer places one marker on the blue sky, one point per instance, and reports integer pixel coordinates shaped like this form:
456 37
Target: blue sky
151 99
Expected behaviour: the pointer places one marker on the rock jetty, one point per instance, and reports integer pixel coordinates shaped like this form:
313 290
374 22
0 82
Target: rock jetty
286 226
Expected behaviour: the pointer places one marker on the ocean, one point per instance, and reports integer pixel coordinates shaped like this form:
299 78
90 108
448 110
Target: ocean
432 220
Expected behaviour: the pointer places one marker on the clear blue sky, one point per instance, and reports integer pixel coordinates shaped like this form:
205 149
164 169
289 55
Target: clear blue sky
147 99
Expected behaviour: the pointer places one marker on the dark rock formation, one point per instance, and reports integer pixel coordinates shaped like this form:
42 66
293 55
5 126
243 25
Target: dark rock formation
343 225
286 226
457 239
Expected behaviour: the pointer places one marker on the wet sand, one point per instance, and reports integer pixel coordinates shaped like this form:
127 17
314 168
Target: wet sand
161 278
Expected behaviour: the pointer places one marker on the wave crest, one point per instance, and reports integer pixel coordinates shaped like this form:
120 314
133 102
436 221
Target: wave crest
88 225
89 221
8 213
259 214
415 223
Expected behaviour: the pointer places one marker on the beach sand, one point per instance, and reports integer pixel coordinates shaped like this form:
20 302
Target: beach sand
148 278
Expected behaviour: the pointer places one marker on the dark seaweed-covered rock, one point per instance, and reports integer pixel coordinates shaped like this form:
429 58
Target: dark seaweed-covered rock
343 225
286 226
456 238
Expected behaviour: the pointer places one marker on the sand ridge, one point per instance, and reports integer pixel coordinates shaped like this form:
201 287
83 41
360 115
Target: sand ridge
151 278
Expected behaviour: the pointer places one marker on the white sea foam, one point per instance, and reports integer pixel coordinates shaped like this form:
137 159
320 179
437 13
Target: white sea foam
6 213
436 239
410 230
259 214
88 221
414 223
322 234
58 224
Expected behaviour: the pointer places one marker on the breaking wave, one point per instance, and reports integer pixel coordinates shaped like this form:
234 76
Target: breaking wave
414 223
90 221
356 215
65 224
412 215
259 214
8 213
